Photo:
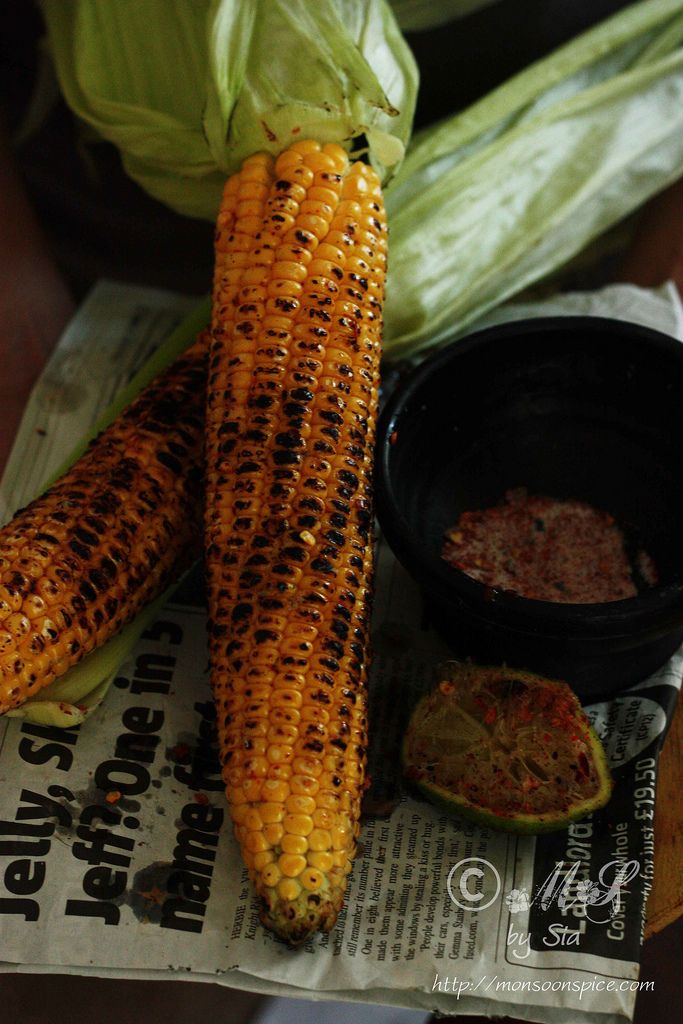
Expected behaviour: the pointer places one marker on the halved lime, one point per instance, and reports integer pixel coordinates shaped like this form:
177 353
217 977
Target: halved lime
507 748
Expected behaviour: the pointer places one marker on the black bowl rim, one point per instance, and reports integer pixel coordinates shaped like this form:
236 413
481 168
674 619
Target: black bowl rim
529 615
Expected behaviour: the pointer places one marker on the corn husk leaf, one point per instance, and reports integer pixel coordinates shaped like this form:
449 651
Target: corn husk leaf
499 196
418 15
73 696
186 91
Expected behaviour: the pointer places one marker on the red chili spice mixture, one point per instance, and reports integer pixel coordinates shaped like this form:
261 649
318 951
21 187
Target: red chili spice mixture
546 549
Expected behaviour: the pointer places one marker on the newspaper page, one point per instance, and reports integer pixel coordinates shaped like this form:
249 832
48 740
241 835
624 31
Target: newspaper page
116 851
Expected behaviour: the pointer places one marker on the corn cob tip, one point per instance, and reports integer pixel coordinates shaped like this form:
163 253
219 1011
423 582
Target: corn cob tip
295 921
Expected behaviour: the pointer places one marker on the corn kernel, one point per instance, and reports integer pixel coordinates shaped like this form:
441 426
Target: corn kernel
291 864
256 842
311 879
298 804
252 819
320 859
275 791
271 875
271 812
320 839
294 844
262 858
273 833
288 889
298 824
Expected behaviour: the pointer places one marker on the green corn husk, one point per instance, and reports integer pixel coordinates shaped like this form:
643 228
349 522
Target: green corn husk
501 195
417 15
186 91
73 696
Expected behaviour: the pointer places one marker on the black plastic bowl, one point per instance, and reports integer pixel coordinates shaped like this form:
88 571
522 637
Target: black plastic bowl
570 407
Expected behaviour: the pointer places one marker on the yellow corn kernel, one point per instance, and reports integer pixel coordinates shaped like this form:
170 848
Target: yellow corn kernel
291 864
298 824
262 859
320 859
311 879
297 804
271 874
294 844
273 833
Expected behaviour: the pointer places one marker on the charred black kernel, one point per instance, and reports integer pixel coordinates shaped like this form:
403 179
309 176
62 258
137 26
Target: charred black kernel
336 781
261 402
349 695
170 461
289 439
307 522
78 604
79 549
347 477
247 467
323 447
314 598
301 395
250 579
320 314
334 537
282 570
295 553
97 579
47 538
339 743
241 611
343 612
315 504
338 520
286 458
334 647
322 565
271 603
257 559
331 417
314 745
341 630
341 506
344 712
330 663
321 697
356 561
313 484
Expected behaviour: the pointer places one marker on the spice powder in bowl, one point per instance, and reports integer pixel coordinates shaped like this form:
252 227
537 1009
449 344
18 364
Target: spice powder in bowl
547 549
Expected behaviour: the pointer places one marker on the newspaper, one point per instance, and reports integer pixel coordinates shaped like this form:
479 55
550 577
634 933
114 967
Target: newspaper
116 851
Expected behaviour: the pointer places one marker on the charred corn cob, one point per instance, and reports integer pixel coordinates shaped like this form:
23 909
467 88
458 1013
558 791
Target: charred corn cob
293 378
80 561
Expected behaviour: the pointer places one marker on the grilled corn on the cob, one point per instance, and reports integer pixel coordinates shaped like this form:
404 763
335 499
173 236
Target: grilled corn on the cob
293 378
80 561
